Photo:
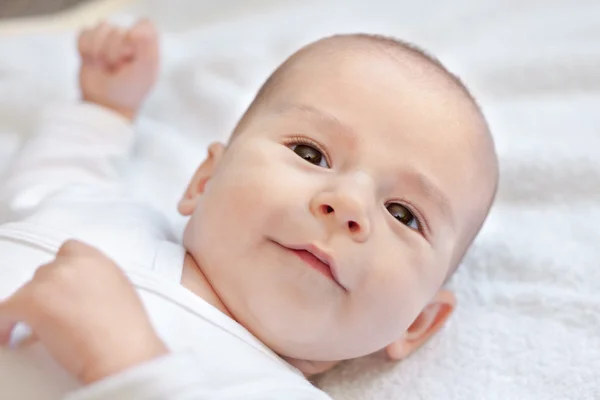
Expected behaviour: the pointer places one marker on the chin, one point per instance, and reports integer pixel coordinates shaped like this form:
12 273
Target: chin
311 368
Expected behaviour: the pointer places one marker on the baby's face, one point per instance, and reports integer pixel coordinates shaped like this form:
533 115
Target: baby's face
363 164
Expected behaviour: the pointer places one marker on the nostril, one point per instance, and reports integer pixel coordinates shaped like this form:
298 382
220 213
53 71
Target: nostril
326 209
353 226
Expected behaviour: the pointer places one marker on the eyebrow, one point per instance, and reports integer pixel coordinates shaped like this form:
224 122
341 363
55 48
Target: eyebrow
433 192
342 129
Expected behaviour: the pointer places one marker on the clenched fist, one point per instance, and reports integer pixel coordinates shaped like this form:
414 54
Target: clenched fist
119 66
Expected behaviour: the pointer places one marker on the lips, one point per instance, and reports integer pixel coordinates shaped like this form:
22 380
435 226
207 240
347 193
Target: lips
317 259
315 262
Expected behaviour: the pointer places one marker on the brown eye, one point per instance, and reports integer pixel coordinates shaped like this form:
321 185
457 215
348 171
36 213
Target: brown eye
403 214
310 154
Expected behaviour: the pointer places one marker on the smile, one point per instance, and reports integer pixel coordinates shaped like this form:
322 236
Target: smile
317 259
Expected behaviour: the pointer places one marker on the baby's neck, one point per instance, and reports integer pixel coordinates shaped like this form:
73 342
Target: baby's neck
195 281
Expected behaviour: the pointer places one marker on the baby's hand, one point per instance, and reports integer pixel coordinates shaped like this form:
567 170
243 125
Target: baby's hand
86 314
119 67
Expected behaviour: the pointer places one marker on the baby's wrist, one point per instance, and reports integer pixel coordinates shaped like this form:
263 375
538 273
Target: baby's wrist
119 361
127 113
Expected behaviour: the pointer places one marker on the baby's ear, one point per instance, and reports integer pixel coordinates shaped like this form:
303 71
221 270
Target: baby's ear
431 320
187 204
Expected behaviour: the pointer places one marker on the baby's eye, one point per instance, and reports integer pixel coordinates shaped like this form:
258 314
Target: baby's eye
310 154
403 214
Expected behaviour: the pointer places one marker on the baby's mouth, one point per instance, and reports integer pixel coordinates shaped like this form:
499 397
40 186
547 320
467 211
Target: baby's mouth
317 259
314 262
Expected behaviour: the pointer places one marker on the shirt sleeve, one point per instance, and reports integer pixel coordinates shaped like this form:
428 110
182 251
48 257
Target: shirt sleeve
177 377
79 144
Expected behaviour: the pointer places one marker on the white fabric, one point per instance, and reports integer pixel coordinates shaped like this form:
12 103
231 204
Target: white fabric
65 184
529 311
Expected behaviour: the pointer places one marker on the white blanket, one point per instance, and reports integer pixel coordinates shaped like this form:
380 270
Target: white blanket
528 320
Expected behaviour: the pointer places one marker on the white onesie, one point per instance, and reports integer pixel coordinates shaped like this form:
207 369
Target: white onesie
65 184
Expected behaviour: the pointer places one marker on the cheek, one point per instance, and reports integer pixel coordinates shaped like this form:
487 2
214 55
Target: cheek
255 193
229 212
397 286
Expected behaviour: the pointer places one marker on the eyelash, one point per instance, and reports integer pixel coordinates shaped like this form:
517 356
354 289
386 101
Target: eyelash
309 142
421 220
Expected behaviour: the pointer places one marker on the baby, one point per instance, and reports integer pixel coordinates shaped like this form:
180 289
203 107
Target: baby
324 230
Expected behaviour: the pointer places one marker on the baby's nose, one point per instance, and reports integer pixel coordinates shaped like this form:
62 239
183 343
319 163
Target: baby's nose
345 212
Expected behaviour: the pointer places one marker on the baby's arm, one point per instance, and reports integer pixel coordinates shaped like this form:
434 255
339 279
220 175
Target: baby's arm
89 318
81 144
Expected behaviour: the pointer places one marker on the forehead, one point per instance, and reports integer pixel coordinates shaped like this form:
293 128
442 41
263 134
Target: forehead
381 96
410 94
